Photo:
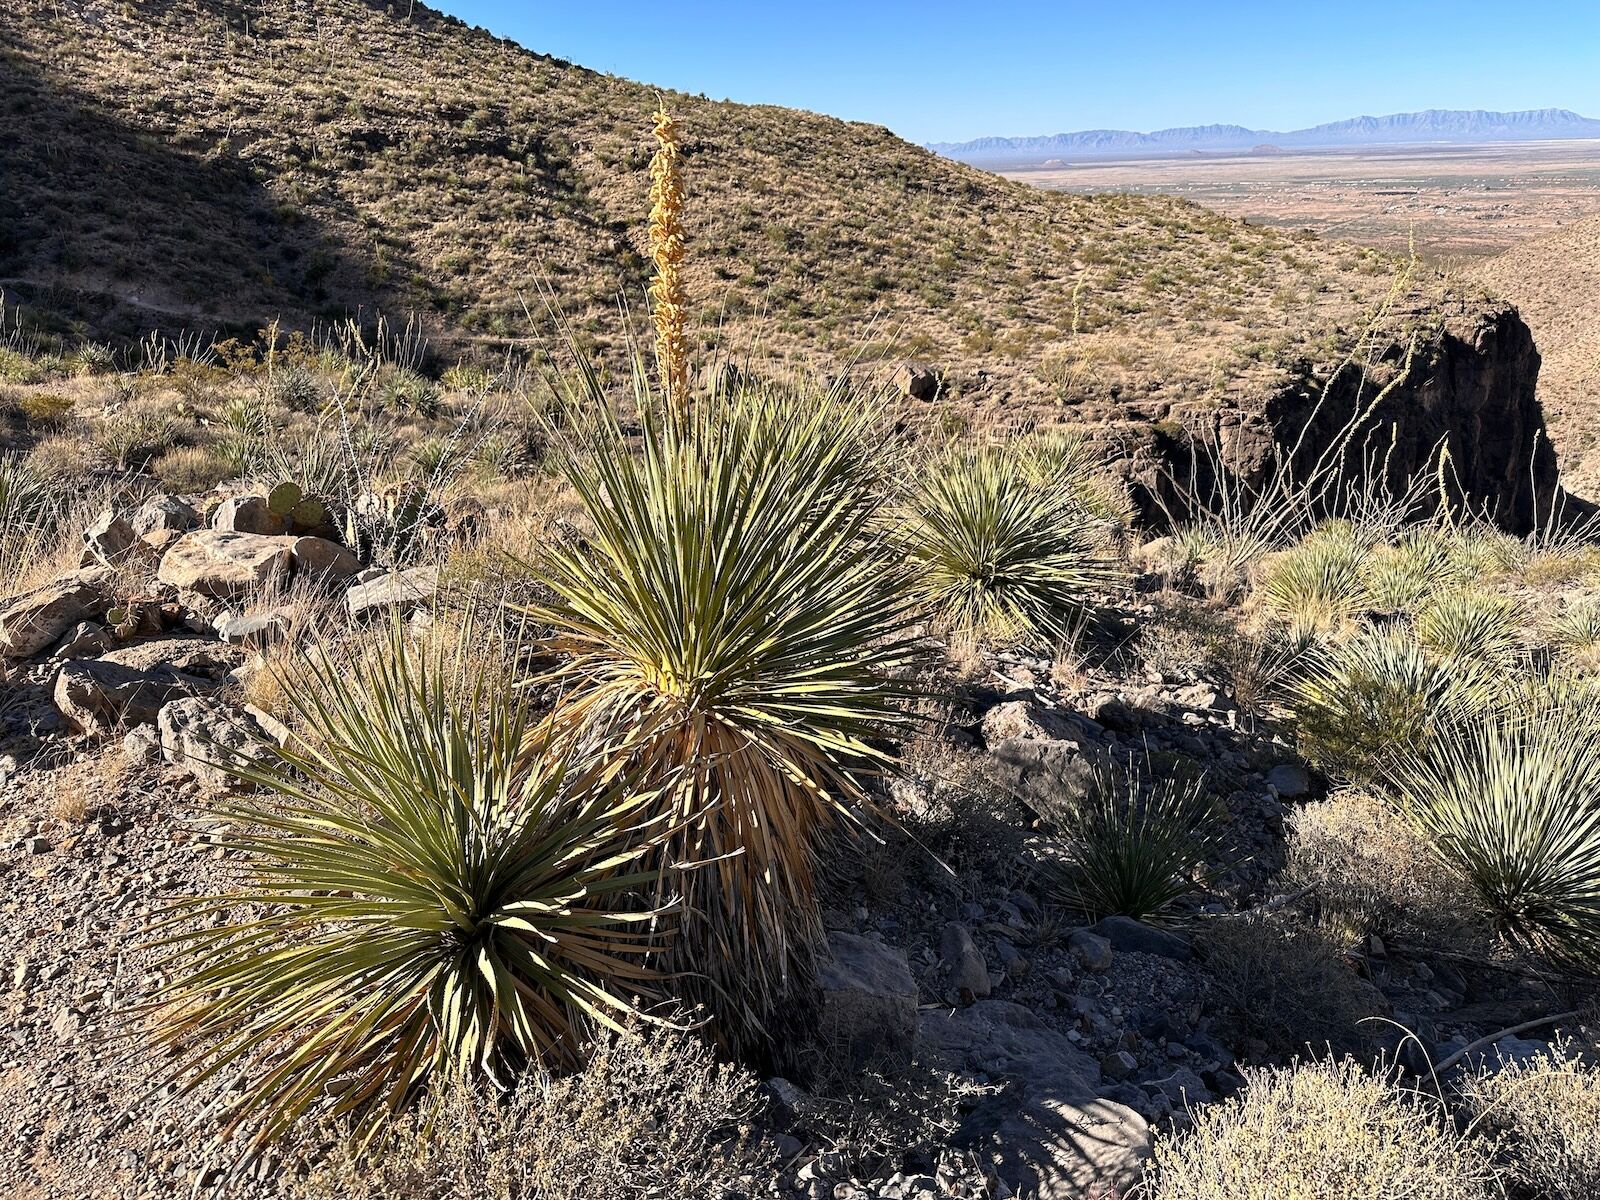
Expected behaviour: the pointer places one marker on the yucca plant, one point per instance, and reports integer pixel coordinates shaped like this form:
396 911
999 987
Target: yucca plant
1002 553
1364 704
1513 805
1318 584
1401 577
1471 625
422 901
730 627
1134 846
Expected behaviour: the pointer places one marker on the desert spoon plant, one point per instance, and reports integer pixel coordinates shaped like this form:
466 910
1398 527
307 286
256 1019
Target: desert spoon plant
423 902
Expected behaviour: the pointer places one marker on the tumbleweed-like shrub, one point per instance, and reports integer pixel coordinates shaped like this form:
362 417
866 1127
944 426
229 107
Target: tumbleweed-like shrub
1546 1113
1321 1131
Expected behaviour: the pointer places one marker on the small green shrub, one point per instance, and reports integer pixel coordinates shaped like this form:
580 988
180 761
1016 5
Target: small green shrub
1134 846
1366 704
48 410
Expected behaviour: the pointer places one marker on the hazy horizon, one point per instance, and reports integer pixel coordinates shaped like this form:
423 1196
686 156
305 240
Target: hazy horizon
938 72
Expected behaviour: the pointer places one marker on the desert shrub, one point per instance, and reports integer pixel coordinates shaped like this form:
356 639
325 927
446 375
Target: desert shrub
1321 1131
1471 625
48 410
405 391
1285 984
192 469
648 1118
1002 553
1134 845
132 438
1545 1111
730 625
1513 805
427 902
294 387
1365 704
1319 584
60 457
28 512
1370 866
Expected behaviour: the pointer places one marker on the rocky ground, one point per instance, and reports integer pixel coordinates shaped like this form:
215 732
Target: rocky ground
1043 1052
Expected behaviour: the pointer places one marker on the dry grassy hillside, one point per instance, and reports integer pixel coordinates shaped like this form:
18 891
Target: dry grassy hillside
177 160
1555 281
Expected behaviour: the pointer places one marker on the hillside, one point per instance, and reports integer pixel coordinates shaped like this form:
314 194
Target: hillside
195 161
1555 281
1431 126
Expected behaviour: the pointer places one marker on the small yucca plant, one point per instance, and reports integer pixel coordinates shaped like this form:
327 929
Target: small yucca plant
1319 584
1513 805
1003 552
422 901
1364 704
730 628
1134 847
1471 625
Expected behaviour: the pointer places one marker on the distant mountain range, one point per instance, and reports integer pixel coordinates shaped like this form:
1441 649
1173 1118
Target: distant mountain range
1436 125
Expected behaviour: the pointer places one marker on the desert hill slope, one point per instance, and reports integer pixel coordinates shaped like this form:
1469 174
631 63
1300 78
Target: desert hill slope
218 163
1555 281
206 160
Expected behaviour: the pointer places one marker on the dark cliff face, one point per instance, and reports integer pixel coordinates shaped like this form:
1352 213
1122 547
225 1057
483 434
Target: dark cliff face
1469 398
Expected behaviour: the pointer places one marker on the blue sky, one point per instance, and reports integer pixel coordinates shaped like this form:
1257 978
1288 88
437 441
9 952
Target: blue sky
937 71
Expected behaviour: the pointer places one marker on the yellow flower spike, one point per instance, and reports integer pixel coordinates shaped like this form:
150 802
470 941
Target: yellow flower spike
668 298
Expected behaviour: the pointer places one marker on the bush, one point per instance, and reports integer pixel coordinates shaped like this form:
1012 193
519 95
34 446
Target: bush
1546 1113
1368 865
1321 1131
1513 805
1003 551
1471 625
191 469
1367 704
730 625
428 902
1286 984
649 1118
49 410
1134 847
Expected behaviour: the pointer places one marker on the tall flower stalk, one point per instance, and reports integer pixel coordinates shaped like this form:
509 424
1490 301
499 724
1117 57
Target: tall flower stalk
668 298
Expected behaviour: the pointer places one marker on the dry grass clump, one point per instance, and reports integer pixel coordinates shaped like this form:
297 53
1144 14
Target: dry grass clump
1322 1131
1546 1113
189 469
649 1118
1286 984
1369 866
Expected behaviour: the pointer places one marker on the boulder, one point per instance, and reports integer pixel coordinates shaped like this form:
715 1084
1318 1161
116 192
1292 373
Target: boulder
1290 780
869 1002
968 972
33 621
109 538
247 514
320 558
403 590
258 631
98 696
1052 1137
203 735
1091 950
917 381
224 564
1124 933
164 514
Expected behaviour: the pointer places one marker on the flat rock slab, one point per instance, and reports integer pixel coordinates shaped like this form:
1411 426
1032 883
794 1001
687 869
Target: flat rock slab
403 590
36 620
98 696
224 564
1048 1133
